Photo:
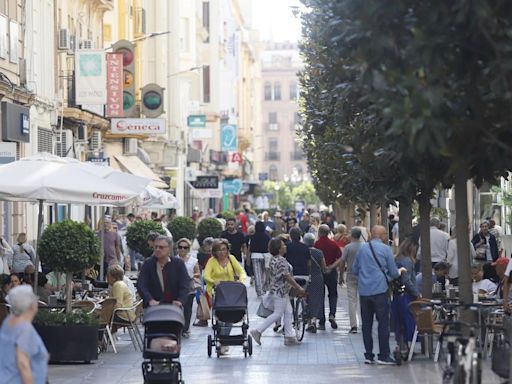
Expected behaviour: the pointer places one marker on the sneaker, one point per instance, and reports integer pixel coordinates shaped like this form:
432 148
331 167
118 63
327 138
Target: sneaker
256 336
333 323
292 340
276 327
387 361
353 330
311 328
186 334
369 361
321 327
201 323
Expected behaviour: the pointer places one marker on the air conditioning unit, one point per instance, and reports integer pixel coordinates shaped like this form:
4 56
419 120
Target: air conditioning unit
95 144
130 146
63 39
64 144
87 44
82 133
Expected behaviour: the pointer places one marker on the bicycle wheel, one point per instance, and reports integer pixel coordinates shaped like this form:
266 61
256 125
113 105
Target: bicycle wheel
299 321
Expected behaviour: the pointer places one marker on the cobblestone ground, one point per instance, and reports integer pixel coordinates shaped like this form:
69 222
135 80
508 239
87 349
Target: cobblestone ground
325 357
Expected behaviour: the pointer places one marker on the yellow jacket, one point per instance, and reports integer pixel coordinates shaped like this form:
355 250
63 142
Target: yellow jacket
215 273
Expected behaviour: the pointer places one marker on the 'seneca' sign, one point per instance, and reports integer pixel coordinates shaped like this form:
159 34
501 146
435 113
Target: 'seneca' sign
138 126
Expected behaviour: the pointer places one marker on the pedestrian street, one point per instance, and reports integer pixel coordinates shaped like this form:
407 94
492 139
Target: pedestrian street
330 356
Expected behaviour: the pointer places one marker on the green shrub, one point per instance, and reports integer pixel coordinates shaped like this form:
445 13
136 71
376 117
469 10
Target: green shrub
209 227
69 247
228 215
182 227
137 233
75 317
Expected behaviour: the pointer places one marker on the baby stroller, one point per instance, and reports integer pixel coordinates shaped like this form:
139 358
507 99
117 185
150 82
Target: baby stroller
163 325
230 306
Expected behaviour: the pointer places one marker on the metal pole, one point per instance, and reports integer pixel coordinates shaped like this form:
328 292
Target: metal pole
40 220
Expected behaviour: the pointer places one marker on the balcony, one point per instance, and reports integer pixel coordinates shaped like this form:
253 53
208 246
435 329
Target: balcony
297 156
272 156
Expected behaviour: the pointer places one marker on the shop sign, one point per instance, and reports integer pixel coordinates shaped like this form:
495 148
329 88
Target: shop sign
138 126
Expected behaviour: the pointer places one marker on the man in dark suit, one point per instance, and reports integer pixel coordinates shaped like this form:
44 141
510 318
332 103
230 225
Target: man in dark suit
162 278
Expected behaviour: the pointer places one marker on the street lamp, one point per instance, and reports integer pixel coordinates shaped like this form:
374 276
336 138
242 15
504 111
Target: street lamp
191 69
140 38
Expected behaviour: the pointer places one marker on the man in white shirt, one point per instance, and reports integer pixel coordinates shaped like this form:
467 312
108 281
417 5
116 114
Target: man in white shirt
453 259
481 285
438 243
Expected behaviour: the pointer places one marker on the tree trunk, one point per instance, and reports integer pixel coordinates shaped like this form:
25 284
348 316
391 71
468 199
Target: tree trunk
384 214
373 216
426 259
461 230
405 218
69 291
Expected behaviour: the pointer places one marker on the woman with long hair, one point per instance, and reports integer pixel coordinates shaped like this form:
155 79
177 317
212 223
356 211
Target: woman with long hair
402 317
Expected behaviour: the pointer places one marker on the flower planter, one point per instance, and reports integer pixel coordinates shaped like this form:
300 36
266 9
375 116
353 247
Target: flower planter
70 343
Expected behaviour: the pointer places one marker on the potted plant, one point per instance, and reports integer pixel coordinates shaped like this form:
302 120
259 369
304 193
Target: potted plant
137 233
208 227
182 227
69 247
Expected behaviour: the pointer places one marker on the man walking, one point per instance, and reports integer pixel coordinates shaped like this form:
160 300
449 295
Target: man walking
236 239
331 253
373 292
438 243
347 259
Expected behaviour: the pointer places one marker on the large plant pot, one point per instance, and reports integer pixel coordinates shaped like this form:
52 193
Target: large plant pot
70 343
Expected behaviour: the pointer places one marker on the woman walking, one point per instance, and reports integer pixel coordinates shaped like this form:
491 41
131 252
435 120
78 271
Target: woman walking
258 250
316 290
222 267
193 271
23 356
281 281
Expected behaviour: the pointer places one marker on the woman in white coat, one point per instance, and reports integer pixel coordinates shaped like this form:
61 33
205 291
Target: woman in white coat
5 257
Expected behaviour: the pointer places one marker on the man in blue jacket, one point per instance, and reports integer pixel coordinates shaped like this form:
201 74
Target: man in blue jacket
373 292
162 278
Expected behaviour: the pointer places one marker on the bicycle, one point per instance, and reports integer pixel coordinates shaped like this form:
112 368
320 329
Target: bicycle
299 306
464 358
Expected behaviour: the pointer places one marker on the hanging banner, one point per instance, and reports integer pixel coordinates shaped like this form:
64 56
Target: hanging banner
115 85
228 137
90 77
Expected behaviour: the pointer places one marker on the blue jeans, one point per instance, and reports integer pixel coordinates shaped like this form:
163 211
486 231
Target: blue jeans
378 306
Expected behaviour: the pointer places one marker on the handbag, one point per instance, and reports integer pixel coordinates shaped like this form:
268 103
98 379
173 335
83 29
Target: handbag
203 309
395 286
263 312
235 275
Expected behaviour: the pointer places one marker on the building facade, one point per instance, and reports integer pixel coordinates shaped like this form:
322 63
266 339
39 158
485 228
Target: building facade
280 154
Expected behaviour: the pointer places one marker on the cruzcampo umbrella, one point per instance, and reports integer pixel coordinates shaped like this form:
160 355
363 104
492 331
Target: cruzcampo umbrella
47 178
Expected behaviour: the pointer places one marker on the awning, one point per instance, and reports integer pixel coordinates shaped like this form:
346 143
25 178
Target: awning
135 166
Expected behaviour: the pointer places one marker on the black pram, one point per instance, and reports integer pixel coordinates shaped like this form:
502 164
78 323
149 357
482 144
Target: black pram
230 306
163 325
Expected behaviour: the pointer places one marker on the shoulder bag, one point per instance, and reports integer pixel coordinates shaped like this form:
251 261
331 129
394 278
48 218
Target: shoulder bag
395 286
235 275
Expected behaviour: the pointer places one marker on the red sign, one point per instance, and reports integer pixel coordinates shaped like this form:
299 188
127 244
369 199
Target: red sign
115 85
236 157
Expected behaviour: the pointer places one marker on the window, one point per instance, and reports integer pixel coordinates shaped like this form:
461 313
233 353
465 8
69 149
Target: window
44 140
272 172
272 144
206 19
206 83
268 91
293 91
184 35
272 117
277 90
13 43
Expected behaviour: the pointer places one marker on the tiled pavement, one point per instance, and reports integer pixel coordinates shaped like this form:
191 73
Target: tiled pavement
326 357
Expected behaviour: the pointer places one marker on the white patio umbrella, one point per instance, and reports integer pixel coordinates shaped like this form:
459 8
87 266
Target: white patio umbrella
155 198
48 178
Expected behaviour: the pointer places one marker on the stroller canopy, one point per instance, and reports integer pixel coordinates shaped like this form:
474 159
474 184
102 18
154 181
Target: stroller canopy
230 295
164 313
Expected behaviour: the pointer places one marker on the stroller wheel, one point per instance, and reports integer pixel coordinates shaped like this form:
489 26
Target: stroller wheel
209 345
249 345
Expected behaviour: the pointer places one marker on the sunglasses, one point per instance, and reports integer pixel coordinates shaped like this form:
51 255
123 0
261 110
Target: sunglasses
183 247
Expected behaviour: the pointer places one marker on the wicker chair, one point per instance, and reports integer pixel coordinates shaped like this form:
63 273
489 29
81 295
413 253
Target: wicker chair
85 305
425 325
105 316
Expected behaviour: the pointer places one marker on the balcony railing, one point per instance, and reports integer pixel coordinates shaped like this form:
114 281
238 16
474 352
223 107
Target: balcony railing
272 156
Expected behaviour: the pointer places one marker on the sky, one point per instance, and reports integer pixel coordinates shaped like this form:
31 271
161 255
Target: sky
275 21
